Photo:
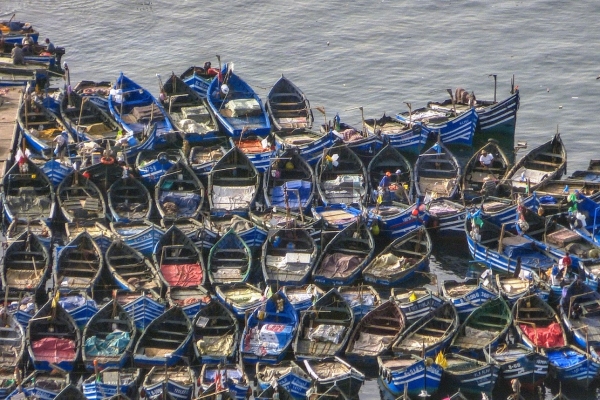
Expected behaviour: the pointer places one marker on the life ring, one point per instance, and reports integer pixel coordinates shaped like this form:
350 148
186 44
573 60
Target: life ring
107 160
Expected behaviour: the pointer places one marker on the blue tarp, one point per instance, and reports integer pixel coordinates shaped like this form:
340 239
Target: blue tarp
303 187
564 358
114 344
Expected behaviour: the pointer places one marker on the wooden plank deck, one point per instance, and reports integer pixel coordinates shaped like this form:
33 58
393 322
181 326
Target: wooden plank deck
9 105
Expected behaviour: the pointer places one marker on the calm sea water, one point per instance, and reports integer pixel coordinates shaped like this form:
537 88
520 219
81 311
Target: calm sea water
377 54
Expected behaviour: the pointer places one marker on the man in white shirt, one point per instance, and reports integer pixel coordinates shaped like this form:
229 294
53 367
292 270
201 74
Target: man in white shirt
486 159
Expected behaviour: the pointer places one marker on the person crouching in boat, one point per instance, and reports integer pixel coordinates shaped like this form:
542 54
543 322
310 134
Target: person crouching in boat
489 186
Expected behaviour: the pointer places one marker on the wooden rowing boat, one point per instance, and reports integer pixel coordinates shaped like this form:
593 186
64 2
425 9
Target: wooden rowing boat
108 338
288 107
324 328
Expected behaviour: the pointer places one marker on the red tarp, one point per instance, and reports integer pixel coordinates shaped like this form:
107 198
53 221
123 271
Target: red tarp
54 349
182 275
548 337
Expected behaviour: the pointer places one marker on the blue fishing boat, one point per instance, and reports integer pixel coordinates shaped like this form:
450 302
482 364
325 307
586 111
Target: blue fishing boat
259 150
236 105
130 270
252 234
337 216
14 31
152 164
501 250
233 184
362 141
303 297
467 296
199 78
289 182
135 109
399 261
96 228
451 127
512 287
416 302
25 264
537 325
228 378
361 298
108 338
446 219
409 374
40 127
469 375
179 193
287 374
229 260
85 119
572 366
42 231
408 138
485 327
94 91
324 328
550 233
397 220
41 385
12 342
179 382
269 331
341 176
288 255
241 298
495 117
178 261
374 334
165 341
333 371
288 107
80 306
27 193
216 333
204 155
499 117
108 382
143 307
476 174
501 211
190 299
429 335
53 338
198 230
78 265
390 178
20 304
80 199
543 163
579 309
437 173
129 200
188 110
141 235
104 174
309 144
56 171
517 361
342 260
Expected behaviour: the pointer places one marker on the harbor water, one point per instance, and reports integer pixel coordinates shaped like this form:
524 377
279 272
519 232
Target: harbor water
375 54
